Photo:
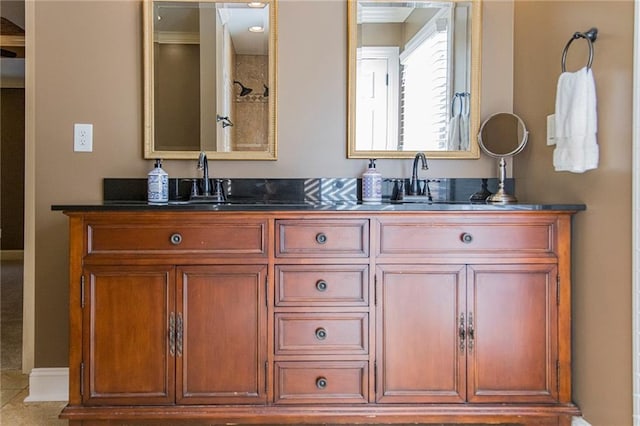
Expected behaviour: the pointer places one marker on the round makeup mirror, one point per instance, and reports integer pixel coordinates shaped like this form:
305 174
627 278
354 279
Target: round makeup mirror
502 135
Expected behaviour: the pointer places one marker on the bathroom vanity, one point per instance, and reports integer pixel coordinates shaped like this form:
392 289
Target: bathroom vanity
345 314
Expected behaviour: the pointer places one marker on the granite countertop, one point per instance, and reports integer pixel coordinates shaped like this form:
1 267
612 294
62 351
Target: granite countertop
314 206
306 194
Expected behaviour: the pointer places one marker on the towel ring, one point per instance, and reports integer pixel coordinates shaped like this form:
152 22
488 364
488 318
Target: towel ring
590 36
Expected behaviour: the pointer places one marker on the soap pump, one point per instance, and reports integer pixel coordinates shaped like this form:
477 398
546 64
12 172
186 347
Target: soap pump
158 184
372 184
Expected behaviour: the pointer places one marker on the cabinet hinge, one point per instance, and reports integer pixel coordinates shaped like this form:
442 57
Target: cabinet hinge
266 290
375 290
558 290
82 291
266 374
375 377
82 379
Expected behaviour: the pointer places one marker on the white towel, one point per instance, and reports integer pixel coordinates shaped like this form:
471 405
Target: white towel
464 127
576 122
454 133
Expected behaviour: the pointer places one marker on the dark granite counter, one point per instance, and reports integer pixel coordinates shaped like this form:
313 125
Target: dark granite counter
308 194
315 206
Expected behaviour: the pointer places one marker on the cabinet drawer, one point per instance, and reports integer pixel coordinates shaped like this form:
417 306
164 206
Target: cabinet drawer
322 285
321 333
416 238
322 238
321 382
221 238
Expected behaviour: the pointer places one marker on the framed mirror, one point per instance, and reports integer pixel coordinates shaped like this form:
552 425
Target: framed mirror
210 79
414 78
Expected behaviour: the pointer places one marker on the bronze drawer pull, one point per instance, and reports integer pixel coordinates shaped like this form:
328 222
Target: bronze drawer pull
179 335
175 239
466 238
461 332
321 285
172 334
321 238
470 332
321 383
321 333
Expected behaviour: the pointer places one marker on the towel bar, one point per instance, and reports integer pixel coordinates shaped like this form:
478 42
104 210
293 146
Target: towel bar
590 36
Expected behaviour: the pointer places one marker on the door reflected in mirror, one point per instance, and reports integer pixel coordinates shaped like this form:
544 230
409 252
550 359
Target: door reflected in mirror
413 78
210 81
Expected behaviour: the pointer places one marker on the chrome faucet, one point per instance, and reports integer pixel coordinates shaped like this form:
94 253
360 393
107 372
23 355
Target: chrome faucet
414 188
203 164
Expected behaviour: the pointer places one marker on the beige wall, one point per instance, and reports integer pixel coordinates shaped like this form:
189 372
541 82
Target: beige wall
90 70
602 234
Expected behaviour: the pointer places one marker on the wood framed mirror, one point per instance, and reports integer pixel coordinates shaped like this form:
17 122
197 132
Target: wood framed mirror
210 79
414 78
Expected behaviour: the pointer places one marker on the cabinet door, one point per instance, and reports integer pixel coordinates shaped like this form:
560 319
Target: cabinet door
126 352
221 334
513 315
421 358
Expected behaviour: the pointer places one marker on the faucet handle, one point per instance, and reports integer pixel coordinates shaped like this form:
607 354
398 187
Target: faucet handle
194 187
218 190
398 190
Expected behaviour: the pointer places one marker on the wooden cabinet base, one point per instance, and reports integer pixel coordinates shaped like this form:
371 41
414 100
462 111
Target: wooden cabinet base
559 415
320 318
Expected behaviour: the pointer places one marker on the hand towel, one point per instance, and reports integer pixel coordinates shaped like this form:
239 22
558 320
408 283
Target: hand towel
576 122
454 133
464 126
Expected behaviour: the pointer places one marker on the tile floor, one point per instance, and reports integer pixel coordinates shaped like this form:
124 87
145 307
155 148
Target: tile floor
15 412
14 384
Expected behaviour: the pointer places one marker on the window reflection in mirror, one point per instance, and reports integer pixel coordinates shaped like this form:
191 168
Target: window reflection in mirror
210 83
413 78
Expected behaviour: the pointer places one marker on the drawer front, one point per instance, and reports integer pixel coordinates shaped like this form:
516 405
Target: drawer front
321 382
322 238
402 238
220 238
325 333
322 285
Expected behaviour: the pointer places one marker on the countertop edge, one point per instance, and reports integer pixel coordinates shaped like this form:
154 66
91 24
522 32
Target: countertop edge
306 207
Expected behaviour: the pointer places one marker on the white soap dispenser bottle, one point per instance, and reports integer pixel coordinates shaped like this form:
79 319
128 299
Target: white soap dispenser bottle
372 184
158 184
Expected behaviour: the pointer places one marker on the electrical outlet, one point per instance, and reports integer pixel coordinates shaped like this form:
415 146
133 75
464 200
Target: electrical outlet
83 137
551 129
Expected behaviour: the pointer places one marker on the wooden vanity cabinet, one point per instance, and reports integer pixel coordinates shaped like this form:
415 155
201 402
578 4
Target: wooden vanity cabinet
489 333
172 314
479 297
145 328
125 356
321 314
300 317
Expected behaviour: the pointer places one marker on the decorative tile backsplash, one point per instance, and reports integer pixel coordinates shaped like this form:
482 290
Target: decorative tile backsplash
294 189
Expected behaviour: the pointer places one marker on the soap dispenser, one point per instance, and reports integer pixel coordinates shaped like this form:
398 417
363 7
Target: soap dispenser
158 184
372 184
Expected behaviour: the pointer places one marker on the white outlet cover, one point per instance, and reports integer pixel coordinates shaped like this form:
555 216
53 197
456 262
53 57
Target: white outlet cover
551 129
83 137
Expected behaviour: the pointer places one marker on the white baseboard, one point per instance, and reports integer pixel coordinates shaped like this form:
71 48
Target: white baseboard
579 421
12 254
48 384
